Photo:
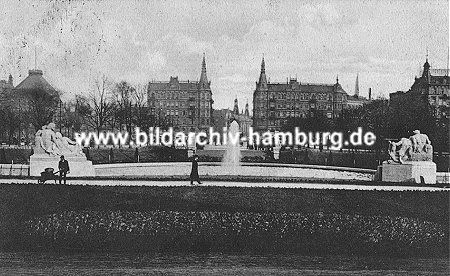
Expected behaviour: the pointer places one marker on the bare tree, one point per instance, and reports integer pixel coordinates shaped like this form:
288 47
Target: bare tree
101 105
139 95
73 114
41 106
10 123
122 94
82 110
141 111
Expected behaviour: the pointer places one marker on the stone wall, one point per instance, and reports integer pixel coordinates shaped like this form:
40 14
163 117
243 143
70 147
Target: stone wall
14 169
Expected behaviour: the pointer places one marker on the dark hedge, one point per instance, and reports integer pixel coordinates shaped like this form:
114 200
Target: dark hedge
221 219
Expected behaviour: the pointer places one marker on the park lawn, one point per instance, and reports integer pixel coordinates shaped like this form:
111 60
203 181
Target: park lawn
223 219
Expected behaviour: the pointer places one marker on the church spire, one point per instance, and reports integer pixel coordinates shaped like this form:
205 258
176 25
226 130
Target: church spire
203 77
246 112
263 65
426 68
236 107
357 86
262 77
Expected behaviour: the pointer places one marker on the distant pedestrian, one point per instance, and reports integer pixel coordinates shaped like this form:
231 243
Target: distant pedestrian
63 169
194 170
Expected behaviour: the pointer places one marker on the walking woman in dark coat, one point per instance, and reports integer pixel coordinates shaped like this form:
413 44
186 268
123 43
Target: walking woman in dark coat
194 170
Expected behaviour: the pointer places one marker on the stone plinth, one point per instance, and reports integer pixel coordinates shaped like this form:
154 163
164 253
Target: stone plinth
276 153
410 171
422 156
79 165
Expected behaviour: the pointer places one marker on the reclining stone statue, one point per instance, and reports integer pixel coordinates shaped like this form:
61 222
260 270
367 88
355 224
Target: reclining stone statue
415 148
67 146
49 142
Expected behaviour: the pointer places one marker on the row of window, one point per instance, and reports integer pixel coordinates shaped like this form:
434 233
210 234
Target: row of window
298 106
298 96
175 112
181 95
203 104
436 100
279 122
439 90
323 106
176 121
290 103
302 105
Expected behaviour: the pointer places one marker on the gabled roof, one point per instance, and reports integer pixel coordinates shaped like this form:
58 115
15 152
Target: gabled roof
173 84
35 80
306 87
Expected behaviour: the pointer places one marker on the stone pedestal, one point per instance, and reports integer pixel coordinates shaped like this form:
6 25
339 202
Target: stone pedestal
276 153
79 165
410 171
245 144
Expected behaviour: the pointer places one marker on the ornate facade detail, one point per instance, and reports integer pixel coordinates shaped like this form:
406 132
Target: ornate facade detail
184 105
274 103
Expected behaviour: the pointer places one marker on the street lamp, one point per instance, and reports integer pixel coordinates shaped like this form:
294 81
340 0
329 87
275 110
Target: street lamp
60 115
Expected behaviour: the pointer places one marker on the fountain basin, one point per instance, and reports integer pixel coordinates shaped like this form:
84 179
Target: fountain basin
244 169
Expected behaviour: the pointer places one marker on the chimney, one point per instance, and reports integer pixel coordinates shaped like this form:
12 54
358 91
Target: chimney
370 94
35 72
10 80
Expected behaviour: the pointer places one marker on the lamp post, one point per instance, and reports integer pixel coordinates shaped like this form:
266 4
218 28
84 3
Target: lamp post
60 115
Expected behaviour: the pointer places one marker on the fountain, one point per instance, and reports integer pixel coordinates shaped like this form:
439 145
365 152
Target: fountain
231 166
232 155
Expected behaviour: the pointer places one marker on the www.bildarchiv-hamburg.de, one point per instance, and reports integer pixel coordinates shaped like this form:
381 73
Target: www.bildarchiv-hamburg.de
156 136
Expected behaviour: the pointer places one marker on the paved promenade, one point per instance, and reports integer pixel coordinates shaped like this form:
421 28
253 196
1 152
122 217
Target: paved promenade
171 183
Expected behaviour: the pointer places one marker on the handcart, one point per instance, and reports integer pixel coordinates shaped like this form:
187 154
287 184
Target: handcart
48 174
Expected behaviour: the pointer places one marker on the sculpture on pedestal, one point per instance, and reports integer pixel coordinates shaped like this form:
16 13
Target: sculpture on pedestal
52 143
421 143
411 161
415 148
38 146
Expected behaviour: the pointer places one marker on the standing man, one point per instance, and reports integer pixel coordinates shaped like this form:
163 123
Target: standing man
63 169
194 170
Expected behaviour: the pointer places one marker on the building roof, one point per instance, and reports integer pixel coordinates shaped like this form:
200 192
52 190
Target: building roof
306 87
430 77
5 85
35 80
356 100
174 84
440 72
439 80
5 90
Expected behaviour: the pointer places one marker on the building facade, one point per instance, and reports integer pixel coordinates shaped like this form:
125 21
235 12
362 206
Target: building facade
184 105
431 89
6 91
34 99
241 117
223 118
274 103
355 100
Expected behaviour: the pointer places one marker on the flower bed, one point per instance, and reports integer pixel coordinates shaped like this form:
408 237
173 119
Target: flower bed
223 219
235 231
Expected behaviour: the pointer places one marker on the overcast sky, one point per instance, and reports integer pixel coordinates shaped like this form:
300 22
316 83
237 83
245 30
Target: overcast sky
139 41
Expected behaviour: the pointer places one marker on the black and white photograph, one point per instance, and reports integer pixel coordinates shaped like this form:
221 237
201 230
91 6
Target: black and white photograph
208 137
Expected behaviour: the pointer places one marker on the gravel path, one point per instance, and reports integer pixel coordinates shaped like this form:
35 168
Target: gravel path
169 183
